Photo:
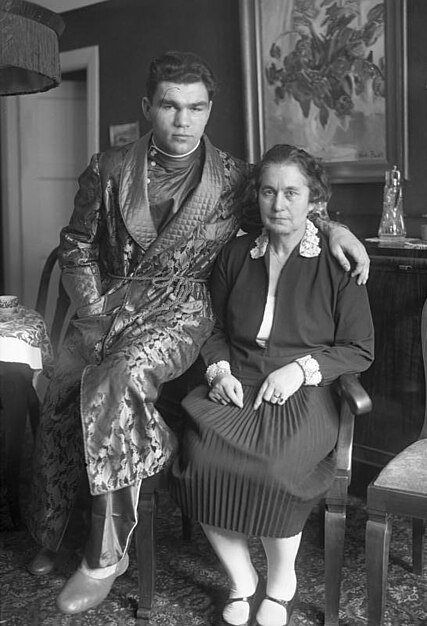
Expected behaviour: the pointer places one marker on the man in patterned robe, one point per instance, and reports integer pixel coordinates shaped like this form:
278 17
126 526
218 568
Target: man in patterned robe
149 219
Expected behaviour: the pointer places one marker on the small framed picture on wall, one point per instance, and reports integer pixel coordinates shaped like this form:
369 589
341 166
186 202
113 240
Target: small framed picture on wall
121 134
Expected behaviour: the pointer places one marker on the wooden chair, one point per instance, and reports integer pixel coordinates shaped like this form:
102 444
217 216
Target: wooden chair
354 401
169 405
145 541
399 489
62 304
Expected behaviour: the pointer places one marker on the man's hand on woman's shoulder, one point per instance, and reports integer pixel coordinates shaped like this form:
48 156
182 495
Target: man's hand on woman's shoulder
346 247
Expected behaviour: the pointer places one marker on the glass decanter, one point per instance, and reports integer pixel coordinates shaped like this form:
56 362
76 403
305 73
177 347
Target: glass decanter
392 228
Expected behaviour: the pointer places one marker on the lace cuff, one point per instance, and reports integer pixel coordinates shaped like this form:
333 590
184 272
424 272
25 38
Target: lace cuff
222 367
310 367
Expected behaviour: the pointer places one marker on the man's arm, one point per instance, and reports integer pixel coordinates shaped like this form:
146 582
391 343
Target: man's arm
344 244
78 251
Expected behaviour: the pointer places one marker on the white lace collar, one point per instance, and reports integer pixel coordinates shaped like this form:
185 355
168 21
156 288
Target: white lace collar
309 245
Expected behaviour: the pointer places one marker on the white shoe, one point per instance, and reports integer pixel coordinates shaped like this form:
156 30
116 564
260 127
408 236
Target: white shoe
83 592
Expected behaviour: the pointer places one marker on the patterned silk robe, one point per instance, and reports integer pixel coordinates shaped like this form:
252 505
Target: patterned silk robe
142 313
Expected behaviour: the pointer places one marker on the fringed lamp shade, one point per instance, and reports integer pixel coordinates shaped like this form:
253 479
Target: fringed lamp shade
29 48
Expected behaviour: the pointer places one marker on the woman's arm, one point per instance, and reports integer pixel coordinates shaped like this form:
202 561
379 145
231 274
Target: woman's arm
224 387
352 351
216 348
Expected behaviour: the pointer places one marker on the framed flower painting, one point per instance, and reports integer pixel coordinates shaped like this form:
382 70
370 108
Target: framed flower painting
328 76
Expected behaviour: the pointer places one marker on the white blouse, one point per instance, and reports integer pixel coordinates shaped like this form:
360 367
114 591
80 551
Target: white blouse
275 266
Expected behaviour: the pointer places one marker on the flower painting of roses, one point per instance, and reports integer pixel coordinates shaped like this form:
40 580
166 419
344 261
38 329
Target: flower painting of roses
327 76
324 76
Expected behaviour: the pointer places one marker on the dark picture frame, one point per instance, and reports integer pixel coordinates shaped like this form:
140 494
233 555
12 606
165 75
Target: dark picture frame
283 106
121 134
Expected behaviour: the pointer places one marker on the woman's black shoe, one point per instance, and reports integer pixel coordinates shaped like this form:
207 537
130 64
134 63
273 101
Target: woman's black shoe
289 605
253 601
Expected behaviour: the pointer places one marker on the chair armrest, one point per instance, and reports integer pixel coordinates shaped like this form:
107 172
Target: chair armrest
354 394
354 401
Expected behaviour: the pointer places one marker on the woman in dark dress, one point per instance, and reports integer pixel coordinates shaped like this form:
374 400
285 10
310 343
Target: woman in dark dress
259 450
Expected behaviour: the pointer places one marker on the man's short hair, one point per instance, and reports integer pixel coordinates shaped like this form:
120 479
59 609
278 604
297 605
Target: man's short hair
180 67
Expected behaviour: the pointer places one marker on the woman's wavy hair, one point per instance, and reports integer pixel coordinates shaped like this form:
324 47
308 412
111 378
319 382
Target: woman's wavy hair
180 67
309 166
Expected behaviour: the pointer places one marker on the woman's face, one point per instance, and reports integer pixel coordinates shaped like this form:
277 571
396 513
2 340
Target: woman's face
283 199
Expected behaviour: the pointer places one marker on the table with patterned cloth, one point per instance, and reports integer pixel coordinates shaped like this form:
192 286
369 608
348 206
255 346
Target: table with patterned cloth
26 363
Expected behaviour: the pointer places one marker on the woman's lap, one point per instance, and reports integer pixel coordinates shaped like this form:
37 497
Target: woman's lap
275 459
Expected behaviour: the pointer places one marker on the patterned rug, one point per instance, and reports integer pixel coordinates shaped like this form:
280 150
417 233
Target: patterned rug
190 584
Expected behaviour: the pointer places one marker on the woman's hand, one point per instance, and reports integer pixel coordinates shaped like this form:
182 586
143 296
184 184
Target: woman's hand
226 388
343 243
280 384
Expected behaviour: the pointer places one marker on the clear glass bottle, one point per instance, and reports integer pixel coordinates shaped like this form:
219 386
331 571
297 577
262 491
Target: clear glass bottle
392 228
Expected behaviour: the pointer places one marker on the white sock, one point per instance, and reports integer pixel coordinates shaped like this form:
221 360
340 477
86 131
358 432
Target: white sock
233 552
281 582
104 572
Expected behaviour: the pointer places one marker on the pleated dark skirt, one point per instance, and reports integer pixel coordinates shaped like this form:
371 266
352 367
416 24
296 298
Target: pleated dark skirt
256 472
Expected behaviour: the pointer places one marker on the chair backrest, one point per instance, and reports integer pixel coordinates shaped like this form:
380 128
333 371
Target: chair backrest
52 301
423 434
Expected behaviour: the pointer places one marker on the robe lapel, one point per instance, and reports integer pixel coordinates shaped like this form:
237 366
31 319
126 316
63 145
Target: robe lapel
135 210
133 195
200 208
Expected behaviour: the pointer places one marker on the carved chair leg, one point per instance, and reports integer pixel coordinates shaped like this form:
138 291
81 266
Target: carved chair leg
335 517
377 545
146 556
320 524
418 541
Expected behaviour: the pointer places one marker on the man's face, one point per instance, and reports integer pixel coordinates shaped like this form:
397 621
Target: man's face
178 113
